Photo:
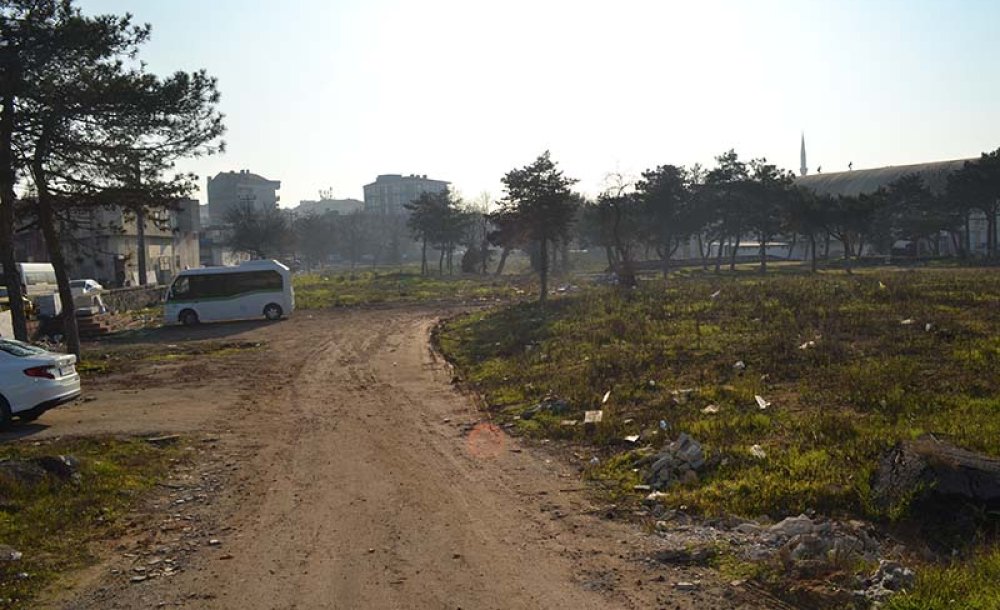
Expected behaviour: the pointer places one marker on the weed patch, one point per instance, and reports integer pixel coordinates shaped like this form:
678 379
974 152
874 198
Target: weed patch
52 522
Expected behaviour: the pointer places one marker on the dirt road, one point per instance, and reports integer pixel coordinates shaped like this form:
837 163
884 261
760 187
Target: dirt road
365 480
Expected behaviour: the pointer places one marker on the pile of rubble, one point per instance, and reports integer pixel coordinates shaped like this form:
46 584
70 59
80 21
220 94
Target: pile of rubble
806 547
678 462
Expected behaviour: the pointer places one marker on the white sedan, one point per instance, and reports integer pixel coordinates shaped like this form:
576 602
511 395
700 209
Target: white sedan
82 287
33 380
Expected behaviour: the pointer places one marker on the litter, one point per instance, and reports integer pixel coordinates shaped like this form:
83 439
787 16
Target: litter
593 417
807 345
715 294
632 438
664 425
758 452
740 365
763 404
907 321
594 461
928 327
710 409
881 285
607 395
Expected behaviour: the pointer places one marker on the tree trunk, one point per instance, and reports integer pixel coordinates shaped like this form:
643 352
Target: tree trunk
702 253
762 241
732 255
441 263
718 256
826 247
502 262
47 223
7 198
791 248
140 231
423 256
543 271
812 246
968 236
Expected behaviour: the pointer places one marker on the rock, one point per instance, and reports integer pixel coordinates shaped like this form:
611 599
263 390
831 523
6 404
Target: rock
792 526
61 466
686 556
9 553
807 546
22 472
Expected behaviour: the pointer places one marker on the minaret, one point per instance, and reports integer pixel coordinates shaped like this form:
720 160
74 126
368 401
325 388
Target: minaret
803 170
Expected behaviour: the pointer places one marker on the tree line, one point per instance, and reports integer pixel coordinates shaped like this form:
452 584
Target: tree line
713 210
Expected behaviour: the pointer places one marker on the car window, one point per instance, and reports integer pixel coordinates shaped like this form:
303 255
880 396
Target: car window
77 283
21 350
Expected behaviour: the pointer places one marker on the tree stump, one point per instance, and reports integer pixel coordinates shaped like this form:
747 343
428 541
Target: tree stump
931 469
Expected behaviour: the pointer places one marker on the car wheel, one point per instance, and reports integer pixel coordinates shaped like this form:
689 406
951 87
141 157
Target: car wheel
273 312
5 415
188 317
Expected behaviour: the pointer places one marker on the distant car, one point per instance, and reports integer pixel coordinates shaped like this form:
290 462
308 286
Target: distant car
33 380
82 287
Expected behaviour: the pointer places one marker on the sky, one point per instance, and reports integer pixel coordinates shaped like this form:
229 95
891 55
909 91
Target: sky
330 93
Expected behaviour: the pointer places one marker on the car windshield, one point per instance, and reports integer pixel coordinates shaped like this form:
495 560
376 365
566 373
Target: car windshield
21 350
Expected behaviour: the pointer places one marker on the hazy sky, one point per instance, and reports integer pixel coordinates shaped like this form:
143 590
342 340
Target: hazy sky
322 93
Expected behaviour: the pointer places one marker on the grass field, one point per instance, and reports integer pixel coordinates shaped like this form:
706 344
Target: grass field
53 522
346 288
850 364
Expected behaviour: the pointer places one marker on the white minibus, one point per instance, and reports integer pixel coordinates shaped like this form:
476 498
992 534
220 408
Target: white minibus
37 279
248 290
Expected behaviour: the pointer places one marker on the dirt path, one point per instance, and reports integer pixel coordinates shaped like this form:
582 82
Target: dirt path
365 483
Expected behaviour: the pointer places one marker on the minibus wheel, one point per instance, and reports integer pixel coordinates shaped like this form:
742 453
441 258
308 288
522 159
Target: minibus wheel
188 317
273 312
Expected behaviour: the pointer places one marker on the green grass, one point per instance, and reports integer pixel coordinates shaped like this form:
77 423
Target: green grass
346 288
53 523
970 585
868 382
874 374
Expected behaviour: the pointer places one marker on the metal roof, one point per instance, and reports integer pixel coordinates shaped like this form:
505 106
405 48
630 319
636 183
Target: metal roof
859 181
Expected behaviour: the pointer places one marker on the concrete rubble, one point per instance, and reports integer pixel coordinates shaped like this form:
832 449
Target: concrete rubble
678 461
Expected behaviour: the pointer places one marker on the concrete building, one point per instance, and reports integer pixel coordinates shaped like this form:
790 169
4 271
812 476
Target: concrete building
324 206
104 245
229 189
390 192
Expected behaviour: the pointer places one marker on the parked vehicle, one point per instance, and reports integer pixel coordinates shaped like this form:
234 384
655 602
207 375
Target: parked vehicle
33 380
248 290
37 279
82 287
